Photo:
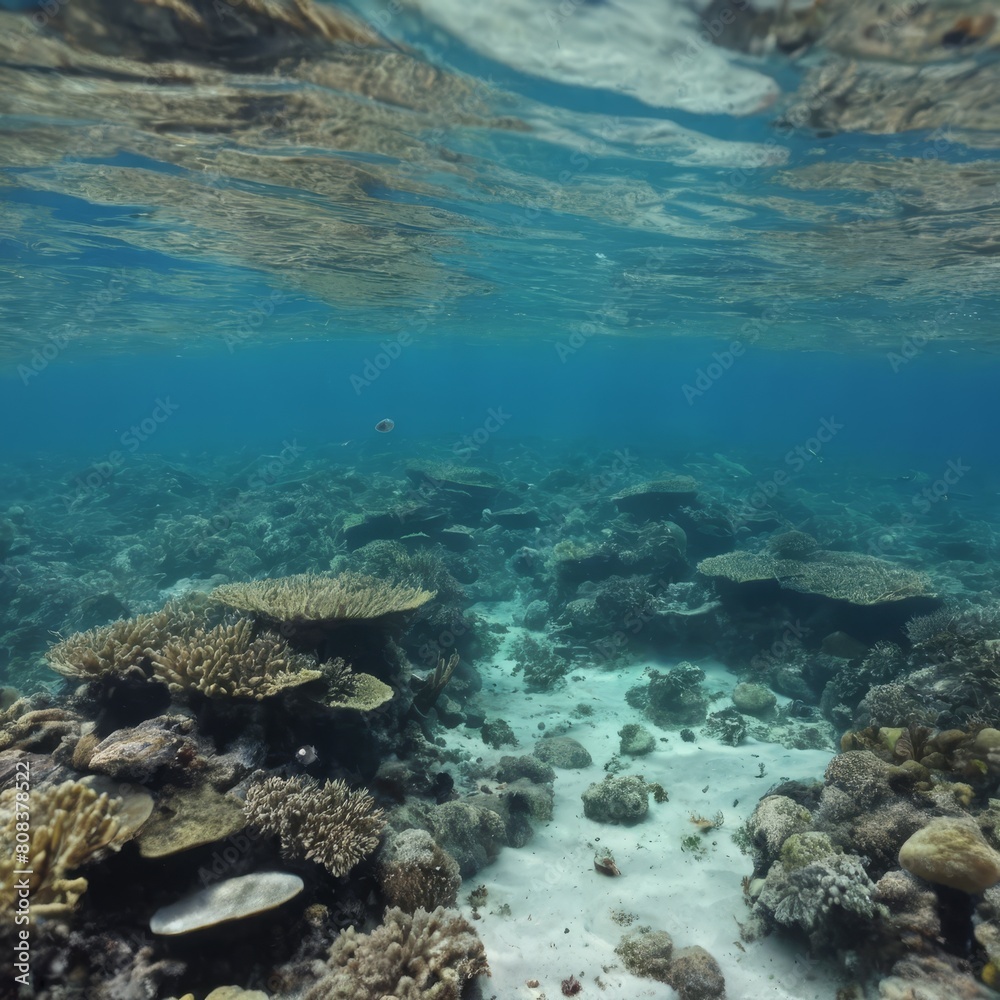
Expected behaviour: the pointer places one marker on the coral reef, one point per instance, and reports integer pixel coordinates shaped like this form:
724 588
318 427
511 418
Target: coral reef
308 598
888 863
67 826
880 864
232 660
617 799
419 956
328 823
854 577
119 649
415 873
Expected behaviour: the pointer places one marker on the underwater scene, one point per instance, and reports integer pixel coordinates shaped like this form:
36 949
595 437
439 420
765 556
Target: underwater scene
499 501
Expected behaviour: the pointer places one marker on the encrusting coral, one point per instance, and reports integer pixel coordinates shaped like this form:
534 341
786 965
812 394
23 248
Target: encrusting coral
426 956
309 598
328 823
36 729
67 825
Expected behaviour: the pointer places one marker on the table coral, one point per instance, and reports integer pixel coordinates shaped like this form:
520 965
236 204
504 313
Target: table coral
308 597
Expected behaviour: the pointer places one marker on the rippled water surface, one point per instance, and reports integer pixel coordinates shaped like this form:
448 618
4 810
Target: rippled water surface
823 179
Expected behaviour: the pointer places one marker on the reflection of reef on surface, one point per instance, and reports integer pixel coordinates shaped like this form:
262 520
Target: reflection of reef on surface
221 97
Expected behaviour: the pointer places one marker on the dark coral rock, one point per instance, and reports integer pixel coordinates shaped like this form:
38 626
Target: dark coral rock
727 726
623 799
534 769
696 975
563 751
498 734
676 698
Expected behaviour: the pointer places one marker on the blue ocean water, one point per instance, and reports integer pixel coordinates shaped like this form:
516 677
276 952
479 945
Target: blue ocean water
433 292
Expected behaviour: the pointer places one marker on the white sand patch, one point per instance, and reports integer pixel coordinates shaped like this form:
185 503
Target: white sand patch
562 913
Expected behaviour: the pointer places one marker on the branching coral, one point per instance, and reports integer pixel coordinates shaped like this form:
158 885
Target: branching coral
308 598
230 661
435 683
328 823
426 956
65 826
120 648
952 626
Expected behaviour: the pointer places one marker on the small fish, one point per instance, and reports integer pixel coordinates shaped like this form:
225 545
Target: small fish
384 426
306 755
